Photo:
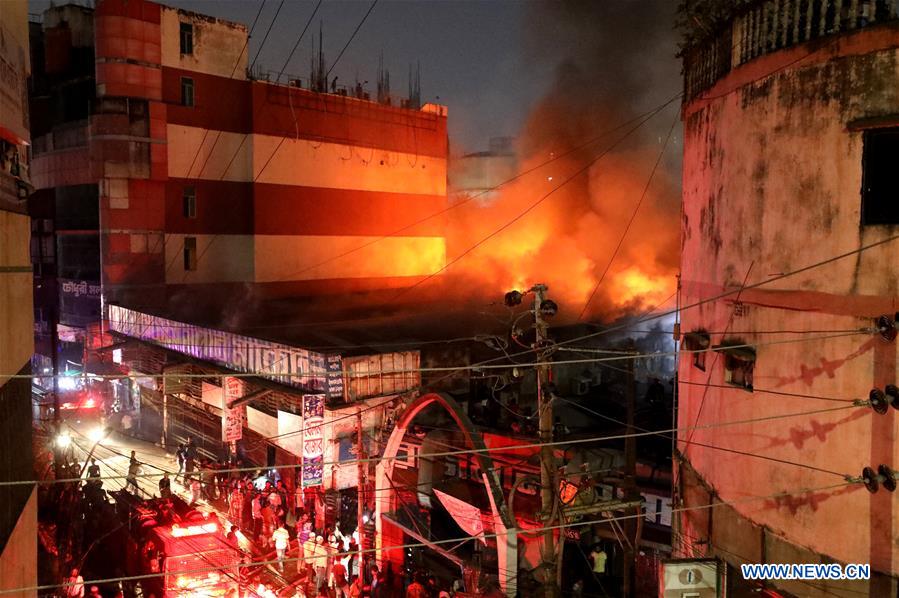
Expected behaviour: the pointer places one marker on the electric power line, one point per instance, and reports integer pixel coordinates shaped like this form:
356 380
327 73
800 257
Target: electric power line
630 222
532 445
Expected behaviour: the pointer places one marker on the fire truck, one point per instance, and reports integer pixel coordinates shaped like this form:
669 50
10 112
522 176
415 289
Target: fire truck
183 551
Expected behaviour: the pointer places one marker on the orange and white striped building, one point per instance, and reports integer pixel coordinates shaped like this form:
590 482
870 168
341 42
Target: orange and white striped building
206 176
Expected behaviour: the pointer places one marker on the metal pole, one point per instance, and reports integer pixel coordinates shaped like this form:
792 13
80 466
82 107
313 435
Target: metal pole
360 484
547 455
54 357
165 411
630 480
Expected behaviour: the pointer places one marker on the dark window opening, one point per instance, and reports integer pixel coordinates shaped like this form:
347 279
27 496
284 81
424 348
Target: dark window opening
880 192
189 200
190 253
698 342
187 91
739 365
187 38
699 360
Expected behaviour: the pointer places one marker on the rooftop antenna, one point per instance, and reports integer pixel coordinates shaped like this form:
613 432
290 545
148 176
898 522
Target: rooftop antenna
383 81
415 87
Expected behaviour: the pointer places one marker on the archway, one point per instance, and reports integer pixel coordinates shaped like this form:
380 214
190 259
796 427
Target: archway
386 501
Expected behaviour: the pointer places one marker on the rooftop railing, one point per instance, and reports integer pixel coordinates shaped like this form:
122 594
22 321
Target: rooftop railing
765 26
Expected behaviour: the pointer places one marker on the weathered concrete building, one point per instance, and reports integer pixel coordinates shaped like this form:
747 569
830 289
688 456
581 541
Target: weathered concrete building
18 503
791 136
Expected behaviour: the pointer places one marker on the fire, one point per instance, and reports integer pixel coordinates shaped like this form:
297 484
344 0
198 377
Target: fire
568 239
633 284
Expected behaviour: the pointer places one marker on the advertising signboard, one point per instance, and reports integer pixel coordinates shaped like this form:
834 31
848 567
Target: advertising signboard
313 441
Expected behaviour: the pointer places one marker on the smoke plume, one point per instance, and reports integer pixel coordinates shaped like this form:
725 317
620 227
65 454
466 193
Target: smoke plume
613 61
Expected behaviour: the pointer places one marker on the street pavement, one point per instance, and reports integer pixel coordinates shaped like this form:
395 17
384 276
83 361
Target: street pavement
113 452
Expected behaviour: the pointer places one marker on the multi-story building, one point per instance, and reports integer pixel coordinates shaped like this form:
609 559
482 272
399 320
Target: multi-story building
189 205
179 183
791 135
18 502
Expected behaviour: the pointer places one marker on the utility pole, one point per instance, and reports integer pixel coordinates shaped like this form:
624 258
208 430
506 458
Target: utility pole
360 484
630 482
57 416
547 454
165 411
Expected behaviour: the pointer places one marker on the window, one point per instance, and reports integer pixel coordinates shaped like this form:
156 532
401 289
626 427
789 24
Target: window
739 364
880 192
187 91
190 253
189 201
698 341
187 38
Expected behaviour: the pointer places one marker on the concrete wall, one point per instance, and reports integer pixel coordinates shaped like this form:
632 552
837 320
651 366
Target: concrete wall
18 560
219 45
771 183
16 315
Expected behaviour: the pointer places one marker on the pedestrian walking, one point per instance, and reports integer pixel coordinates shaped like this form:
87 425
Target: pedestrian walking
74 585
339 579
181 455
190 455
133 472
257 517
320 558
281 539
268 523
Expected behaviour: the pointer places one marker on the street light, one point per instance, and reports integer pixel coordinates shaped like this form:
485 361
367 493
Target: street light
97 434
63 440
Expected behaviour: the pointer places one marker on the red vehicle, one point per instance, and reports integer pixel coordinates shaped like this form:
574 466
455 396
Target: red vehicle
184 550
80 406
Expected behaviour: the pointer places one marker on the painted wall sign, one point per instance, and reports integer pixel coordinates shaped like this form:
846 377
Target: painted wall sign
313 439
233 420
287 365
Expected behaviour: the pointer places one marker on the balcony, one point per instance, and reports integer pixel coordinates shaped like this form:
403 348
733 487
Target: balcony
721 35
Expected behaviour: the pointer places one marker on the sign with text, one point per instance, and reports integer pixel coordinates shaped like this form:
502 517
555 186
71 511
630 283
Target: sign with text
233 419
313 439
287 365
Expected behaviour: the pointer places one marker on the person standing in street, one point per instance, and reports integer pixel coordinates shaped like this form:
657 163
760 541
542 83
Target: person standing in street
195 489
165 486
235 506
416 589
133 472
181 454
257 517
338 579
190 455
281 539
75 585
268 523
